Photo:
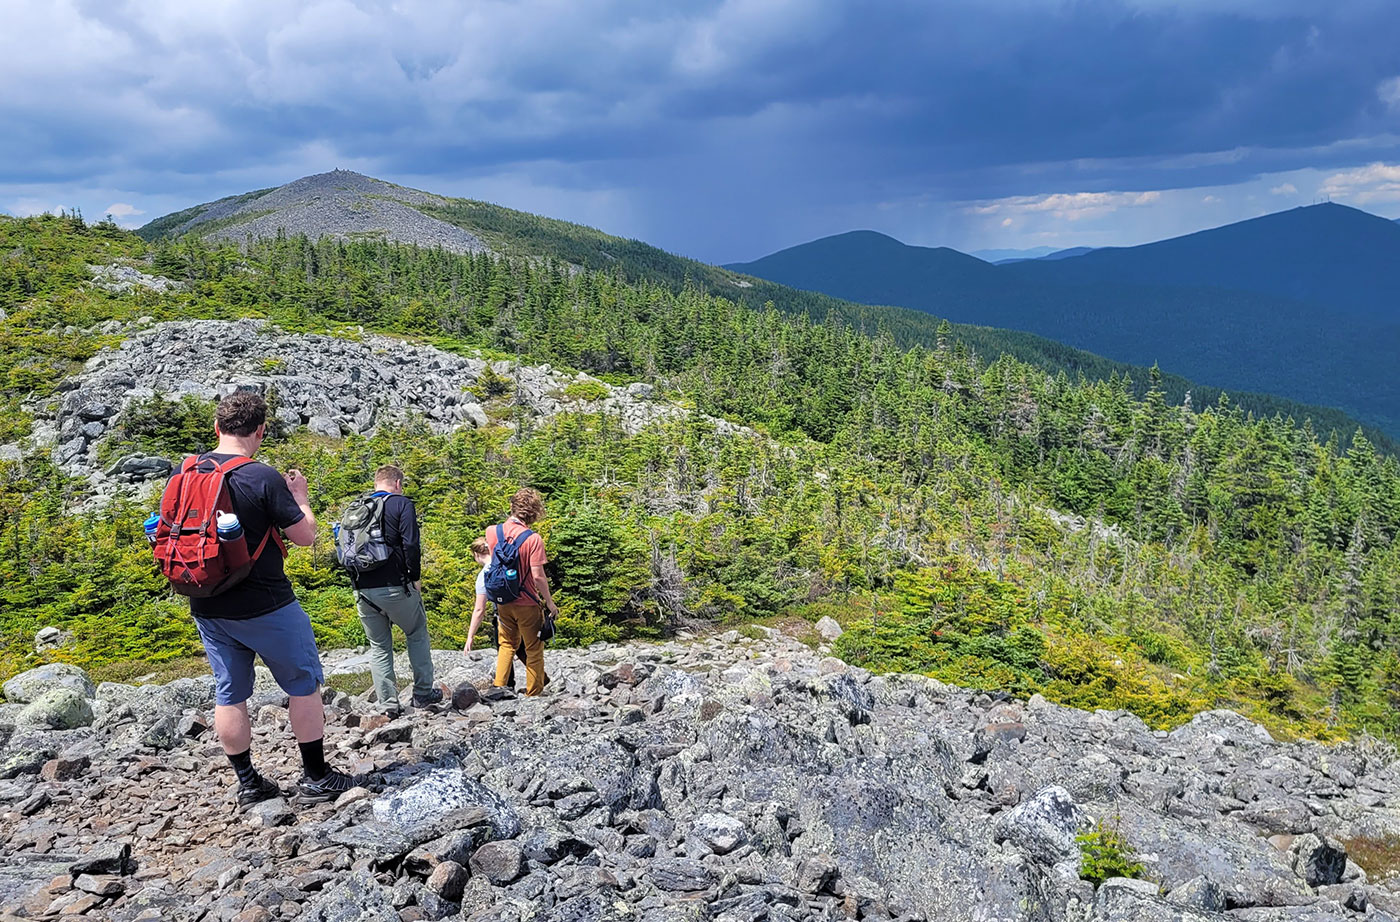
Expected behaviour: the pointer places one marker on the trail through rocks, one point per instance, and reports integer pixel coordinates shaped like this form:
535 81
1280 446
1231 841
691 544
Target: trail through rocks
725 779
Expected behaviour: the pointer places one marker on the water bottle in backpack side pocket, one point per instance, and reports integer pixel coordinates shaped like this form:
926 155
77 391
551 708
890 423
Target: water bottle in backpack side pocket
150 526
230 529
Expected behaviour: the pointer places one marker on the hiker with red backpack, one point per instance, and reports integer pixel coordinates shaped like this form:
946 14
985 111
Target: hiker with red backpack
516 582
217 542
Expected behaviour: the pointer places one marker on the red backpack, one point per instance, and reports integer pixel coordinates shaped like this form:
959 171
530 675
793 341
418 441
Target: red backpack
187 545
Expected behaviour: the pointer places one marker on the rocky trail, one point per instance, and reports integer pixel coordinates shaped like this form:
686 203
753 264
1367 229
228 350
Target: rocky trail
727 779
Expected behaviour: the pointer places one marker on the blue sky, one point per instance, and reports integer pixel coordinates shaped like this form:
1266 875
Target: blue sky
721 130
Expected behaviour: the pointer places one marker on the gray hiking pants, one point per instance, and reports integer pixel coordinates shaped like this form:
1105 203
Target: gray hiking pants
380 609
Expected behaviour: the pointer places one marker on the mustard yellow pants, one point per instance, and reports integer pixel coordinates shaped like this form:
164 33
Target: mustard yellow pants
515 624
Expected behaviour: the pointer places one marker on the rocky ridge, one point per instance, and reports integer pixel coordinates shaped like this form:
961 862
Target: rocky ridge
122 279
341 204
333 386
727 779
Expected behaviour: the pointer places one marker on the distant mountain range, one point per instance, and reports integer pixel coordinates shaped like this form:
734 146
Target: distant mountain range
998 257
352 206
1303 303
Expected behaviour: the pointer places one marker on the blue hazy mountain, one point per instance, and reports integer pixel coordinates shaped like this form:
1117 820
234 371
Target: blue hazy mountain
1067 253
1002 257
998 256
1326 254
1303 303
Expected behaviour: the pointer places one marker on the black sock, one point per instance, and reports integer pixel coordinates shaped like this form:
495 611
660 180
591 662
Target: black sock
243 764
313 759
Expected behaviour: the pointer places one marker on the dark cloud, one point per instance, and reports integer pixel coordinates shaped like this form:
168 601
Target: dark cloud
719 129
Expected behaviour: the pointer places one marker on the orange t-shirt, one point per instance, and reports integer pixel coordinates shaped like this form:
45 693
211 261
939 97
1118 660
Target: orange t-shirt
531 552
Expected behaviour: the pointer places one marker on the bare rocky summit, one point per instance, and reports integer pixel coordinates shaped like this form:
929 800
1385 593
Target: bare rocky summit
340 203
726 779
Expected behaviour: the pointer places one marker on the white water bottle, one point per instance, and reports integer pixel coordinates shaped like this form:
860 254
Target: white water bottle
230 529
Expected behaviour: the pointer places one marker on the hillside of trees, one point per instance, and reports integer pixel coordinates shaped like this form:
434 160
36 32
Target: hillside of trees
985 522
1299 303
532 236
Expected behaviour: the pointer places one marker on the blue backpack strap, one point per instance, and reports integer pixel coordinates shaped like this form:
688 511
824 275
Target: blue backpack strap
500 535
525 587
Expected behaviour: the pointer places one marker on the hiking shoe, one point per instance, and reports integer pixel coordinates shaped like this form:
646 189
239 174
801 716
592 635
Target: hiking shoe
432 697
326 789
249 794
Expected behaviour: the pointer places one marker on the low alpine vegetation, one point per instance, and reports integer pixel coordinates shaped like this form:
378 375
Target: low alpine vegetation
975 518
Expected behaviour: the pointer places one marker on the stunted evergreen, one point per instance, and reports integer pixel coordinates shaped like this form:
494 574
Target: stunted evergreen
989 522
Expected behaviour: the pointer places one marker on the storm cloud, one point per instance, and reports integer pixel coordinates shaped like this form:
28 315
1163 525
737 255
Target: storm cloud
720 129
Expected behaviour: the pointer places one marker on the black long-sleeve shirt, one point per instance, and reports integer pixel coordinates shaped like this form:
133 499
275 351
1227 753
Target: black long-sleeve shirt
401 534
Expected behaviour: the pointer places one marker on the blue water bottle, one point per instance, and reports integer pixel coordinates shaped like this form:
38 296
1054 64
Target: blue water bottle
150 526
230 529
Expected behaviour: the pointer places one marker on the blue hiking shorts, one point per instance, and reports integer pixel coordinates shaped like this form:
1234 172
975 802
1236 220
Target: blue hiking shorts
281 637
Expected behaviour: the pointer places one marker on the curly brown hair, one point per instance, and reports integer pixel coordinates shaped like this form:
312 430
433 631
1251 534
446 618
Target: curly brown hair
527 505
241 413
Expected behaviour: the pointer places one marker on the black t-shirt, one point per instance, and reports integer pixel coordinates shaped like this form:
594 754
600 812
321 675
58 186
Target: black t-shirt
401 534
261 500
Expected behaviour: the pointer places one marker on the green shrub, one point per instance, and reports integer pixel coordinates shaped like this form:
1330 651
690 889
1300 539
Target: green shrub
162 427
1106 854
585 391
491 384
601 561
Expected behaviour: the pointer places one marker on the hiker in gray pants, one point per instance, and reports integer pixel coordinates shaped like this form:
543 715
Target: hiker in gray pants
391 594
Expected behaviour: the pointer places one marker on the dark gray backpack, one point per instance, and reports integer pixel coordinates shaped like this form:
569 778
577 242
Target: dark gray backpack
359 535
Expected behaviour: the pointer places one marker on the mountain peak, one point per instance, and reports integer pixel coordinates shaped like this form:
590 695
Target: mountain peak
1326 254
827 265
1300 302
337 203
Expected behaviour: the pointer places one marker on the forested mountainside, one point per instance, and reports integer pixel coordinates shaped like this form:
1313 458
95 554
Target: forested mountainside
980 521
352 206
1300 303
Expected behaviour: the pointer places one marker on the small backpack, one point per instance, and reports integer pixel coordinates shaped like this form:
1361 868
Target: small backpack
359 542
504 581
187 546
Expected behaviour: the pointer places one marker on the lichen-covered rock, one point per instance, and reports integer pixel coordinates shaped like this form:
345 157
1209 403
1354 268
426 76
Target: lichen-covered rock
1123 900
1318 861
29 685
59 708
719 832
498 862
420 808
51 638
1044 828
1198 893
357 898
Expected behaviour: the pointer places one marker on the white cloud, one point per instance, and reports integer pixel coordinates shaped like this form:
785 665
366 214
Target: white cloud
1209 199
1388 91
28 207
123 210
1284 189
1068 206
1375 182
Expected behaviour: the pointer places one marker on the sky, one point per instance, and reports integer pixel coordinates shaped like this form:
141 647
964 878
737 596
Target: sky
720 129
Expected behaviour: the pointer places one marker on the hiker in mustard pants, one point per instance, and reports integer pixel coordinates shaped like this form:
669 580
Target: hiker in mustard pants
520 589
